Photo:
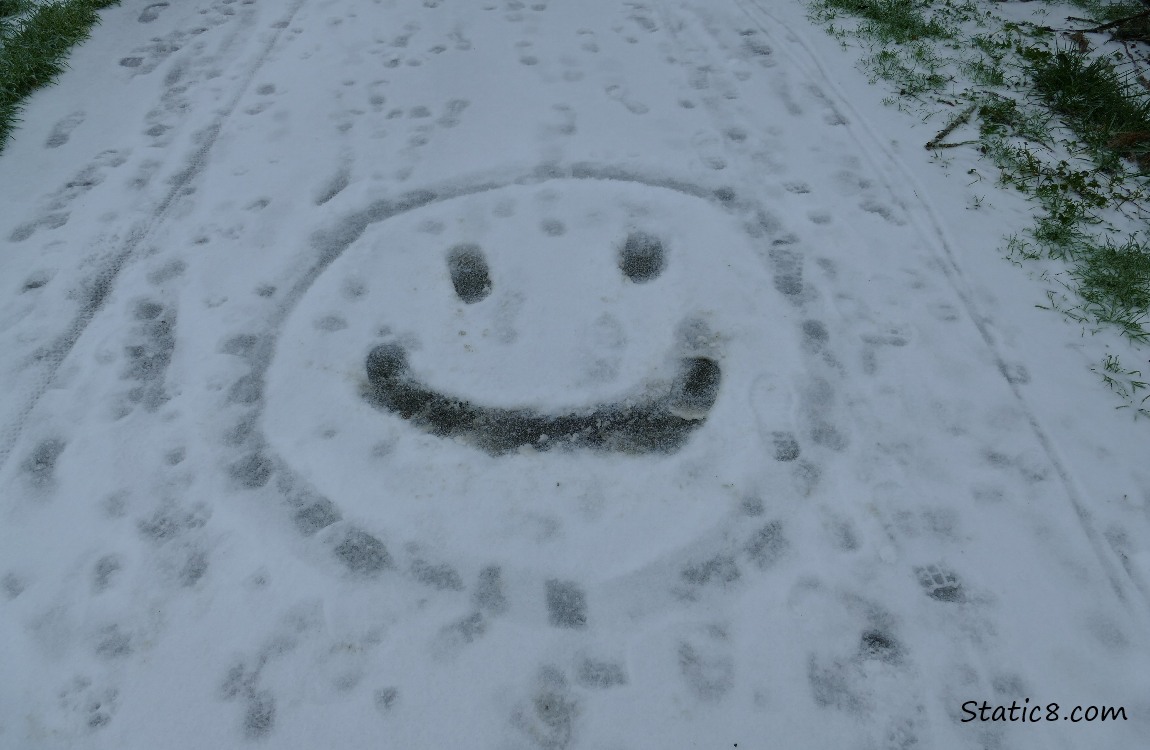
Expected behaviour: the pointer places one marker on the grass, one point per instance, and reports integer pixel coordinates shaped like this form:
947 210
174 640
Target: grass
1063 123
11 8
1128 384
1115 283
34 43
899 21
1103 107
1001 116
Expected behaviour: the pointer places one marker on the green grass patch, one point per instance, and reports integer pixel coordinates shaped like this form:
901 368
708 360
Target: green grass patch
1065 125
1098 102
898 21
12 8
34 45
1001 116
916 70
1128 384
1114 281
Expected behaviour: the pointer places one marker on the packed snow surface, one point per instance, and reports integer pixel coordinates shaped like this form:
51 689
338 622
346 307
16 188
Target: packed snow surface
499 374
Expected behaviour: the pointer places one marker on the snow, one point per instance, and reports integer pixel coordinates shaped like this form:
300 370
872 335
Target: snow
217 529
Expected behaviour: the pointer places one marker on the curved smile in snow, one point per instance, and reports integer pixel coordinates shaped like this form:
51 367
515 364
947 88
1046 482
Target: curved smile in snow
651 424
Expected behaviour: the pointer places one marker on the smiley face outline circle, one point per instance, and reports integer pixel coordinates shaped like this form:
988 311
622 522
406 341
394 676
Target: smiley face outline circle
592 487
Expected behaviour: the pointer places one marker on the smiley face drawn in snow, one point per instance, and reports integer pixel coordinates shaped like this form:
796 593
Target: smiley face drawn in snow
596 339
648 423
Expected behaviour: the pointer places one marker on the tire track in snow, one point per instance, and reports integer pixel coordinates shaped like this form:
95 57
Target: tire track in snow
103 281
943 245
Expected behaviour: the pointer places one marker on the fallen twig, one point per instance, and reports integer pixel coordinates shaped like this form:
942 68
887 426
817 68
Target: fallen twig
962 117
1112 24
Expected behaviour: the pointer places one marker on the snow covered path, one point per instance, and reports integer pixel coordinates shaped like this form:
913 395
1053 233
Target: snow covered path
303 315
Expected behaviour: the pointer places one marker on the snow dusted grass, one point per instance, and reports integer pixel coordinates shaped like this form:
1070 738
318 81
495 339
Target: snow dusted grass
1098 102
895 20
34 44
1064 117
